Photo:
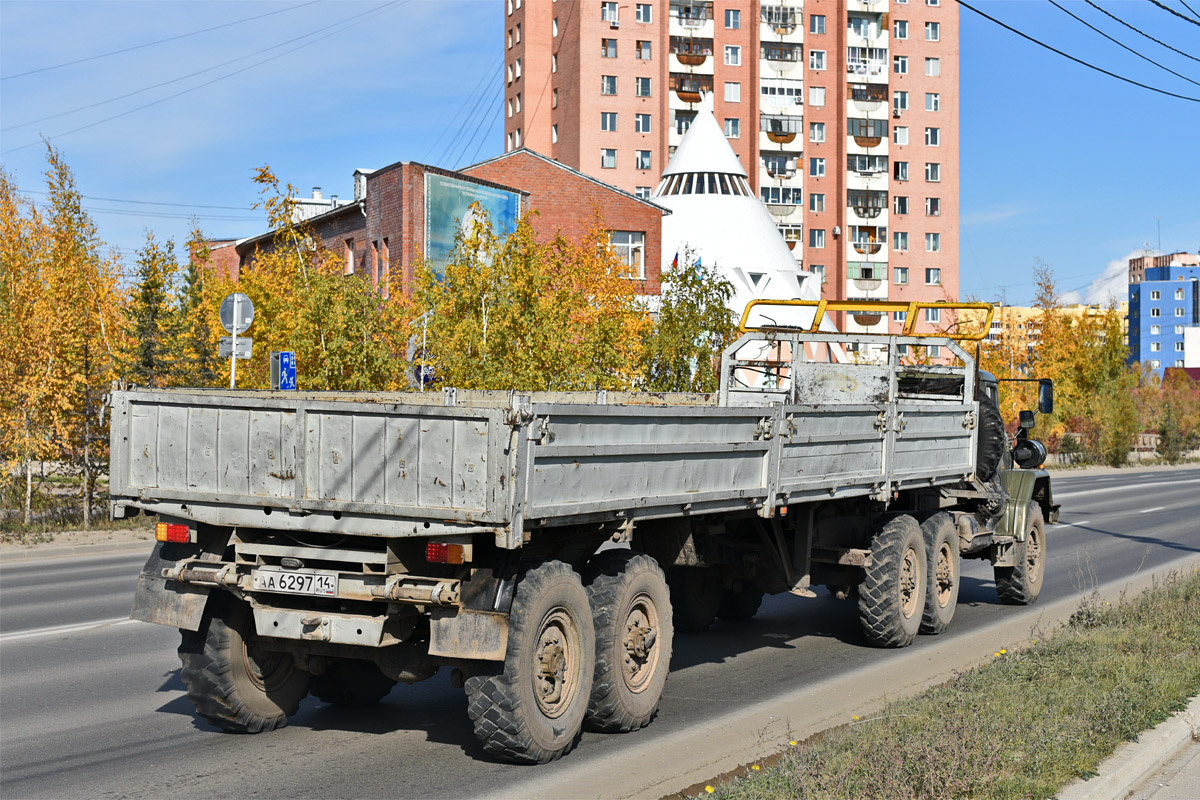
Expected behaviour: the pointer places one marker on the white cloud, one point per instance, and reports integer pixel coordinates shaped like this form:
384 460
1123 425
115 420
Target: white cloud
1112 285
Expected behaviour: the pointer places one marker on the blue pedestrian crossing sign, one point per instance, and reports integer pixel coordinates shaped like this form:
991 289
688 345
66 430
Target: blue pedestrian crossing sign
283 370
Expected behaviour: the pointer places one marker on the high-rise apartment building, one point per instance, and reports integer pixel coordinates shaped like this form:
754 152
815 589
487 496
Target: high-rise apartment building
843 112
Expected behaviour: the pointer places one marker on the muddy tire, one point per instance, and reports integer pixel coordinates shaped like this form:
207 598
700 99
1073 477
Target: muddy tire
992 440
695 597
631 612
1020 585
531 709
941 553
351 682
236 684
891 598
740 603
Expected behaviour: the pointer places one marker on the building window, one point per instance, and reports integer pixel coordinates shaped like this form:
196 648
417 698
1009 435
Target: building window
510 42
518 102
899 241
683 121
554 63
733 19
933 67
518 37
816 201
934 350
816 95
933 31
643 12
630 248
1157 329
644 192
933 315
554 133
816 131
933 172
816 23
933 137
554 99
642 160
816 237
816 59
1179 330
508 73
1156 312
933 244
733 128
1179 294
733 55
933 2
608 12
642 87
1155 347
517 138
899 205
608 48
608 84
933 101
900 65
818 271
900 134
608 158
899 101
641 123
1179 312
508 143
608 120
643 50
517 69
900 29
816 168
554 28
1154 363
1179 347
510 108
900 170
933 275
780 195
933 206
733 92
1155 294
900 277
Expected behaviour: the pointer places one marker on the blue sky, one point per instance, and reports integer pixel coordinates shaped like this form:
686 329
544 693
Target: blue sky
1058 162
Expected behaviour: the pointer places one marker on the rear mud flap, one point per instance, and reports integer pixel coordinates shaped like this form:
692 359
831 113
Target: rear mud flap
165 602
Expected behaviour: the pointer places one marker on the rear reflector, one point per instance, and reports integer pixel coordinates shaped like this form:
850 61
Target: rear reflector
440 553
168 532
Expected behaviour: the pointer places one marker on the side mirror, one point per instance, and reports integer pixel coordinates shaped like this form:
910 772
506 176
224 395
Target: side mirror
1026 421
1046 396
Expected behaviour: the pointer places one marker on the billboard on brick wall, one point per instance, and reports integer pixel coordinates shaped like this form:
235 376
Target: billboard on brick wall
448 210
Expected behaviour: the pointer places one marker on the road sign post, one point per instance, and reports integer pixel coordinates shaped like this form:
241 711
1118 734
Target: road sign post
283 370
237 315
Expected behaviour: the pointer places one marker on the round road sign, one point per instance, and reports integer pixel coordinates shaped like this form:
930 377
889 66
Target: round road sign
245 313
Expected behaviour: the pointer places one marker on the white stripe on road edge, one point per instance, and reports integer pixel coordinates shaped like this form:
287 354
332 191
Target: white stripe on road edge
1079 524
1148 510
60 630
1126 486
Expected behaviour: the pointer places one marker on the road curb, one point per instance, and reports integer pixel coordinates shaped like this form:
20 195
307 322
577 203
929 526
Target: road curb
38 552
1134 762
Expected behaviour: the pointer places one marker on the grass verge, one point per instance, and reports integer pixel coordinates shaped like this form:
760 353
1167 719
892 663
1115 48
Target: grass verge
1023 725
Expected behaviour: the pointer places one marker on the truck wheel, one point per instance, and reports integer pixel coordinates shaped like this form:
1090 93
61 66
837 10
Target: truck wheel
740 603
631 610
695 596
351 682
1020 585
531 710
235 683
941 551
992 440
891 598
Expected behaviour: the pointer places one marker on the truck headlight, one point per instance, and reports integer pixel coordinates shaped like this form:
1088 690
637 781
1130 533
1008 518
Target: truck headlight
1029 453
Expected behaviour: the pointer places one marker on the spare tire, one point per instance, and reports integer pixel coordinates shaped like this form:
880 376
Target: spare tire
989 449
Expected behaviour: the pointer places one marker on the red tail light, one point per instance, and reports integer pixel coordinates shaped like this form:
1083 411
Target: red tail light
441 553
170 532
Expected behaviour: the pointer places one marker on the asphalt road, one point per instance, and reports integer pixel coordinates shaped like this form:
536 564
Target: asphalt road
91 705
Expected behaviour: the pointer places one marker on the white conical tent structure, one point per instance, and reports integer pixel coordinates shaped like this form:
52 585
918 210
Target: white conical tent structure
716 218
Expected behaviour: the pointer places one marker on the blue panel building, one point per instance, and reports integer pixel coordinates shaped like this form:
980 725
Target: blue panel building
1161 306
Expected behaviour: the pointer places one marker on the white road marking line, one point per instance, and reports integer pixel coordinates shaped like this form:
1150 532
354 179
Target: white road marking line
59 630
1079 524
1130 486
1148 510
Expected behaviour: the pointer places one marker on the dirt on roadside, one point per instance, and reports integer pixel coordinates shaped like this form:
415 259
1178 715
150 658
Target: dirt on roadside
110 536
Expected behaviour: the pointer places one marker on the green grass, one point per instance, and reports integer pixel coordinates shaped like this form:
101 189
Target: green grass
1024 725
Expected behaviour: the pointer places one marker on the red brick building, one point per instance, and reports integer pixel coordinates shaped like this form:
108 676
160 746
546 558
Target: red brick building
391 223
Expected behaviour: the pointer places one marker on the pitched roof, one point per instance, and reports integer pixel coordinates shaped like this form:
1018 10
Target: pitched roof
704 147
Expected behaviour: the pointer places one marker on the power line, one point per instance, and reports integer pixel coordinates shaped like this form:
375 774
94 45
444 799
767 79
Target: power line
479 121
466 102
484 138
374 12
1073 58
160 41
1143 33
1122 44
144 202
1170 10
1189 8
458 136
183 77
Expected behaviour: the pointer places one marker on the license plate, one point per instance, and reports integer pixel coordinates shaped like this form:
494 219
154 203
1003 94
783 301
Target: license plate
295 582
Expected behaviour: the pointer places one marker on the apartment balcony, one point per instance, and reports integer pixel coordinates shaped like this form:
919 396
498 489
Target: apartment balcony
691 51
867 29
867 278
781 171
687 87
863 247
781 128
868 204
867 6
782 20
869 97
867 133
782 56
784 95
691 16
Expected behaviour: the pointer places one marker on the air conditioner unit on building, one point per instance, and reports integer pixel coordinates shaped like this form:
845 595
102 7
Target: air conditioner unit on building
837 230
896 114
614 24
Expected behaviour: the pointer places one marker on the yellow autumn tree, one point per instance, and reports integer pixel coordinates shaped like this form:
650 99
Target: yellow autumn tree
522 314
